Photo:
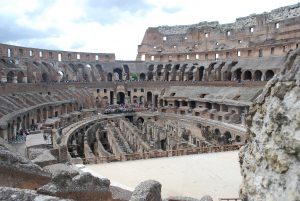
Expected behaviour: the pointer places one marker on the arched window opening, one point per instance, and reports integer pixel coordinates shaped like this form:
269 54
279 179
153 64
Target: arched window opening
269 75
247 75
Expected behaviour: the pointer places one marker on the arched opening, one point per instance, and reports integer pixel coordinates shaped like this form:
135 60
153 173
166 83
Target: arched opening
227 75
120 98
45 77
238 138
150 76
151 67
216 134
159 72
238 74
227 138
118 74
20 77
126 71
201 72
183 72
10 77
190 75
44 114
142 76
167 71
269 75
247 75
149 98
142 100
134 99
257 75
109 77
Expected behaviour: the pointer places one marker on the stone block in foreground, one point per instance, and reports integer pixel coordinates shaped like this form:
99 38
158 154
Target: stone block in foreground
83 187
147 191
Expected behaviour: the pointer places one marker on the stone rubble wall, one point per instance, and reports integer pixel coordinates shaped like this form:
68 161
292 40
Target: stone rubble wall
270 162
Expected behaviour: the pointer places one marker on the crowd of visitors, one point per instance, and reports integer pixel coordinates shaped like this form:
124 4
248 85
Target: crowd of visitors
121 108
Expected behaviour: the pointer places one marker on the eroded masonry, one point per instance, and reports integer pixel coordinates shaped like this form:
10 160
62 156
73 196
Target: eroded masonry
189 91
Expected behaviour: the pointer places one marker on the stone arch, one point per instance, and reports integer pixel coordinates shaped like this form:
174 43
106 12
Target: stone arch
150 75
100 71
142 76
167 71
211 71
190 75
174 70
238 138
120 98
257 75
159 72
20 77
10 77
149 97
118 74
109 77
201 73
183 68
227 74
45 77
126 72
247 75
269 75
227 137
238 74
134 99
218 71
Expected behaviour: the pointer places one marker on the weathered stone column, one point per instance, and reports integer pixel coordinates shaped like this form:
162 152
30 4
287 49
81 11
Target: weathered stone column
15 79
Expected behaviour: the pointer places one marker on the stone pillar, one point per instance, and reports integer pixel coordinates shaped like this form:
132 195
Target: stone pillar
114 99
153 101
15 79
4 79
3 134
25 80
14 130
263 77
127 99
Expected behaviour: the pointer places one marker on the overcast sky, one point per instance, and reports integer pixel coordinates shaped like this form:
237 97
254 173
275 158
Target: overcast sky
111 26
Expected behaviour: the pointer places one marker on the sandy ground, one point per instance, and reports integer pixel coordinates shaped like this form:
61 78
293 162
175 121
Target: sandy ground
215 174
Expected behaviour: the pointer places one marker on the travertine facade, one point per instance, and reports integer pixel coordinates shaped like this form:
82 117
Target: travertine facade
188 92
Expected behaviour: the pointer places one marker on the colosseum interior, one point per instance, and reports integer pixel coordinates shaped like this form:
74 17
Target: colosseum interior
189 91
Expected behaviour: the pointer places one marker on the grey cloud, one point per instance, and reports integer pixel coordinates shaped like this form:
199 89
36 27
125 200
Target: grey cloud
109 11
11 31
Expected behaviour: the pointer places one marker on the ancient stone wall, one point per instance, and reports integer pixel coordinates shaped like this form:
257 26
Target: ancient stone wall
257 35
270 161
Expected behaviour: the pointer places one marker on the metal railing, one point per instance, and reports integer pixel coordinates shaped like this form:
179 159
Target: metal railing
160 154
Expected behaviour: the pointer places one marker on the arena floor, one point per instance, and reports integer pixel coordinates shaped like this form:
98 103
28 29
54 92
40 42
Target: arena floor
215 174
